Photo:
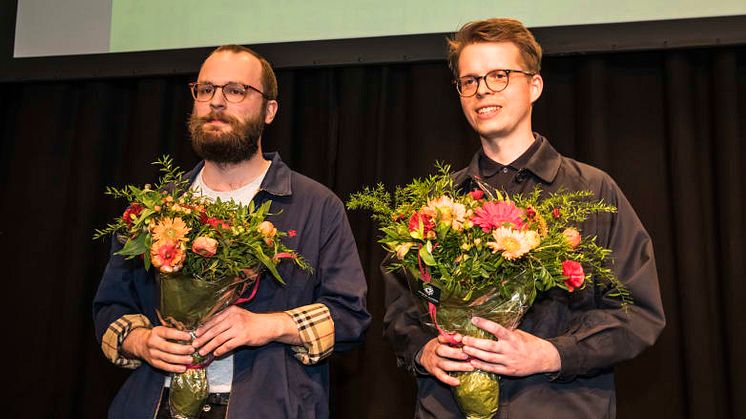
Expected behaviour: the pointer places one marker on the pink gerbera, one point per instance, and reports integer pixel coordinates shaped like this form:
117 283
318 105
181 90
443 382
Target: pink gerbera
498 214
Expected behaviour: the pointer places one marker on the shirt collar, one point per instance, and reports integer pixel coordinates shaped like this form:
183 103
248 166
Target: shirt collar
276 181
489 167
543 162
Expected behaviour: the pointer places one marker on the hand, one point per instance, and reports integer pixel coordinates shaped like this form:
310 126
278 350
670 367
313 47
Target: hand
235 326
153 347
514 353
438 358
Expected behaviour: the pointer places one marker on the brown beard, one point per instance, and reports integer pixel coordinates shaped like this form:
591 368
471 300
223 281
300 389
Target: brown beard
239 144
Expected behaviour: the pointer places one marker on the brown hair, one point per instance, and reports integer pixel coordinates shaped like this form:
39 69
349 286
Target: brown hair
269 81
496 30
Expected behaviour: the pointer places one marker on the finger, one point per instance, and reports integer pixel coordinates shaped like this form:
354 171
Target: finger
451 366
485 344
214 343
174 348
176 360
226 347
493 328
209 334
486 356
169 367
170 333
450 352
496 368
453 339
445 378
218 318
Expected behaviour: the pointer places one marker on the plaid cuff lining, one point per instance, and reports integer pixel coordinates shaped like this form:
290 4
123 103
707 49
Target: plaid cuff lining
316 329
111 344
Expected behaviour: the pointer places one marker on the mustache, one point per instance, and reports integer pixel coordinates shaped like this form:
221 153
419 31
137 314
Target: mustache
217 116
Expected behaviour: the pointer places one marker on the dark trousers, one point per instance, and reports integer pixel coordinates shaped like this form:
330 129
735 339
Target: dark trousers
215 408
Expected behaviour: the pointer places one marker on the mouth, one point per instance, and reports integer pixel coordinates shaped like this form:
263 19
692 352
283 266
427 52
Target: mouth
488 111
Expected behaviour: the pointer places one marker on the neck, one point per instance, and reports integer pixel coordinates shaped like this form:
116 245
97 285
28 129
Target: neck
223 177
506 150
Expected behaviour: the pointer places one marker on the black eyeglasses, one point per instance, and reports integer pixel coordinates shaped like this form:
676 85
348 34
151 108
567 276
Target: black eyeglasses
232 92
495 80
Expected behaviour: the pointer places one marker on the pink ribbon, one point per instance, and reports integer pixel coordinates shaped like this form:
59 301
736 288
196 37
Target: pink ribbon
432 309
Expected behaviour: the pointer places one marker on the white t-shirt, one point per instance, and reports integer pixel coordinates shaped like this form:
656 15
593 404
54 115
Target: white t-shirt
220 371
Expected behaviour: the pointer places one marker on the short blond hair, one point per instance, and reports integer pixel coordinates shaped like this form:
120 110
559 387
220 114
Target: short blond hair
496 30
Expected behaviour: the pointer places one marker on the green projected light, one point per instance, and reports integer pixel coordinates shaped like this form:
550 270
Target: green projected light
138 25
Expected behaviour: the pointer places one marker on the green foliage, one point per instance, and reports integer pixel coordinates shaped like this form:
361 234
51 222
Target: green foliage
244 238
463 259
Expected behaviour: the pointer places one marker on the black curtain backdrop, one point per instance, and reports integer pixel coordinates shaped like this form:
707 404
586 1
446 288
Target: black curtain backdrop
669 126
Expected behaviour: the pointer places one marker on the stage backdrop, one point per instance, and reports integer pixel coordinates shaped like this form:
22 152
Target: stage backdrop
667 125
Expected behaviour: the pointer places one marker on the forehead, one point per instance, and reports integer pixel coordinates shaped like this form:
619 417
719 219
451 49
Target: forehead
223 67
482 57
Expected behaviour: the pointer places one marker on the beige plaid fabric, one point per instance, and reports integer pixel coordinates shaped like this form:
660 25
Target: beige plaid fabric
314 322
316 329
111 344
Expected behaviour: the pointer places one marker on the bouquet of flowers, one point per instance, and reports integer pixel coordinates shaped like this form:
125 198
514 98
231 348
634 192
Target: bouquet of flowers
483 253
206 255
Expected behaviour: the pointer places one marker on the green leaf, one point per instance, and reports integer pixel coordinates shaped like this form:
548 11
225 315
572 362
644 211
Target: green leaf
133 247
427 257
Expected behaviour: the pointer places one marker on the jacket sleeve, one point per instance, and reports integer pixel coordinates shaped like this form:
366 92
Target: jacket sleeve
607 334
120 305
342 287
402 324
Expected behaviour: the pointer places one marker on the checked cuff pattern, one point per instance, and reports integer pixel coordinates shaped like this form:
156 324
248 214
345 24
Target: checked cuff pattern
316 329
111 344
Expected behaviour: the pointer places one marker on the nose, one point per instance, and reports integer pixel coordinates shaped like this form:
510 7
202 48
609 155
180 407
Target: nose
218 101
482 88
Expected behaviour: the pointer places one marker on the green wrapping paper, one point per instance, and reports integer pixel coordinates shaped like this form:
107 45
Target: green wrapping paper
186 302
478 395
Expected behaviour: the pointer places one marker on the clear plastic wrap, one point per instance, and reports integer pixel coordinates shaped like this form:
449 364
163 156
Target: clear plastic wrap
187 302
478 395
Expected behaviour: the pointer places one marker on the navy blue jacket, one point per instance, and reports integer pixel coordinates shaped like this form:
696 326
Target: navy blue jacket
268 381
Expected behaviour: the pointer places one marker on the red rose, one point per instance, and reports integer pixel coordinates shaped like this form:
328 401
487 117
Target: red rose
573 271
477 194
427 223
134 209
556 213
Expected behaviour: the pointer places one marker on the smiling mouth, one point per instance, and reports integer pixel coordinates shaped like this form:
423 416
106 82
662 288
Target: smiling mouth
488 110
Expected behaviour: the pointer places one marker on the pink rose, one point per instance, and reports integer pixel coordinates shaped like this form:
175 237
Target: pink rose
205 246
573 237
573 271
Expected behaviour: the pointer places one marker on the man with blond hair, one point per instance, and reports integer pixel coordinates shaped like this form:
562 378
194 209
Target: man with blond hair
270 351
559 362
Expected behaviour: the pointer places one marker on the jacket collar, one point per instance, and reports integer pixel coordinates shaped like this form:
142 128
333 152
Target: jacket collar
276 182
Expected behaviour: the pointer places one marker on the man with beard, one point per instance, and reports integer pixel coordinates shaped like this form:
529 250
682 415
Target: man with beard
269 351
559 362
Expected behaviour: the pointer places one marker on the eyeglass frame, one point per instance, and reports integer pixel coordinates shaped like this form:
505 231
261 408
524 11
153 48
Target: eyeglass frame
193 84
507 71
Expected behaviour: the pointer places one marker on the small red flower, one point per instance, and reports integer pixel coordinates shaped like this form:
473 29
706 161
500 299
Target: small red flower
477 194
292 233
573 271
556 213
427 222
530 213
134 209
